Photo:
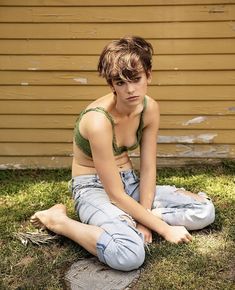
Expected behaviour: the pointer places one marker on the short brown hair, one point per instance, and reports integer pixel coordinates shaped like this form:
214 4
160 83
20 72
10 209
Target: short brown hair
125 58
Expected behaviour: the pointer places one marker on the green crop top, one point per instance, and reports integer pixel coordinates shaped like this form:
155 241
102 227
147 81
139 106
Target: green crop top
84 144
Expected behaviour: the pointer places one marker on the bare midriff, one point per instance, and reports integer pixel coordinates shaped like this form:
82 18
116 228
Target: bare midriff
84 165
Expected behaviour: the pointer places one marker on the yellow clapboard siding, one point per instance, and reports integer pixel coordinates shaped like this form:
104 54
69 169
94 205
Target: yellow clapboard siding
187 92
163 162
165 136
74 107
93 92
193 77
117 14
110 2
164 150
36 149
42 107
48 56
196 151
50 78
54 92
17 162
38 121
89 62
196 136
95 46
192 151
23 162
36 135
186 122
198 107
191 122
112 30
92 78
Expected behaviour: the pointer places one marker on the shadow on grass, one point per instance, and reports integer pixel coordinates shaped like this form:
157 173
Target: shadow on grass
22 192
204 264
13 181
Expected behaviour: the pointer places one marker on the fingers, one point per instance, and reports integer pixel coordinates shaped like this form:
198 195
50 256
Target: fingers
146 233
190 238
187 238
148 239
179 234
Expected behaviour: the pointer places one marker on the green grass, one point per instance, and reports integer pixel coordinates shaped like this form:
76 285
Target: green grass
206 263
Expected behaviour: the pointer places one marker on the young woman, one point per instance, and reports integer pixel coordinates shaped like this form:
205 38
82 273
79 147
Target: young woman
118 211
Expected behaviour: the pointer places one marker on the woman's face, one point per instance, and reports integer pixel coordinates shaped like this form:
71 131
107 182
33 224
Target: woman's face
132 92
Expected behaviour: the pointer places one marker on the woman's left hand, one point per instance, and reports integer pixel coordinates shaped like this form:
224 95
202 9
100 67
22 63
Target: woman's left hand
146 232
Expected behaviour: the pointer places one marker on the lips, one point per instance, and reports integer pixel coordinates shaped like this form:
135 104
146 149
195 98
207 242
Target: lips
132 98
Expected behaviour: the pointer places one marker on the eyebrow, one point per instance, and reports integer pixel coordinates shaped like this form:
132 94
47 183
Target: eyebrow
118 79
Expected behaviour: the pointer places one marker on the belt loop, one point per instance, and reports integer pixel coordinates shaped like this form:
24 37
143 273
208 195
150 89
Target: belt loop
96 177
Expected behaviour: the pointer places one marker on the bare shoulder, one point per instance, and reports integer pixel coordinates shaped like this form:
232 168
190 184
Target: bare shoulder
152 111
152 105
96 121
98 130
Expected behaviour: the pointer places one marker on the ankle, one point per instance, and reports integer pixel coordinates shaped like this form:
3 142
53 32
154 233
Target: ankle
59 224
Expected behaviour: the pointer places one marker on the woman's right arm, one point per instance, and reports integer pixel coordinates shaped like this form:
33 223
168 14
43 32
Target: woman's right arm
99 133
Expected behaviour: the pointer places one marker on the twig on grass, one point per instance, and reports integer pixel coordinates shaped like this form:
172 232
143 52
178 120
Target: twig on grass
37 237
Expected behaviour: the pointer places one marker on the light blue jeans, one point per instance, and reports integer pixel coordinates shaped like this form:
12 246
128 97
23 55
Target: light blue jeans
121 246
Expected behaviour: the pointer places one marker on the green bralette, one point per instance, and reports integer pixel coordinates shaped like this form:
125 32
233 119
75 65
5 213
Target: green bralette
84 144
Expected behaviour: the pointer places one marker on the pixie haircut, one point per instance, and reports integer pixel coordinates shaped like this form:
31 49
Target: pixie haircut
125 58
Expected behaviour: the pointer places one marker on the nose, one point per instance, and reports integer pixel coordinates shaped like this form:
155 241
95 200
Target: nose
130 88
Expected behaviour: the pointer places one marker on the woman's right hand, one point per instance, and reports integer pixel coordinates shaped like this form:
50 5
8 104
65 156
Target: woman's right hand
177 234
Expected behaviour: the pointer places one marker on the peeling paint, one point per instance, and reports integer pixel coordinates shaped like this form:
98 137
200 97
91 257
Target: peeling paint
24 84
196 120
202 138
80 80
199 151
207 138
217 10
232 109
3 166
10 166
32 68
222 151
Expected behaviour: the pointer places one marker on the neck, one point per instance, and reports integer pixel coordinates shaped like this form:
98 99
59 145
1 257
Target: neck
123 109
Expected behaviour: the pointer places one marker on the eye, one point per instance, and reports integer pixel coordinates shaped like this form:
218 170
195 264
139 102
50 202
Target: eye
137 79
119 83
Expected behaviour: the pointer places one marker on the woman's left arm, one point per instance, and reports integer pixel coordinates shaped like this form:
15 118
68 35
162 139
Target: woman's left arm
148 156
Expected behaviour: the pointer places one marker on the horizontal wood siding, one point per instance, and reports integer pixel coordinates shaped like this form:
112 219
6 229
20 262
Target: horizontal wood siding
48 57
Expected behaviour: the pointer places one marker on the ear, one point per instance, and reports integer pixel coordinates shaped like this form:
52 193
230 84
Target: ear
149 77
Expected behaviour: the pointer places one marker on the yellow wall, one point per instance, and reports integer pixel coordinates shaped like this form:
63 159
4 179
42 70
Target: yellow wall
48 55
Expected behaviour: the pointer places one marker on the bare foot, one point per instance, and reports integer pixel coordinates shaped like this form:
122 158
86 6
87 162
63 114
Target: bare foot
50 219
